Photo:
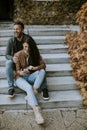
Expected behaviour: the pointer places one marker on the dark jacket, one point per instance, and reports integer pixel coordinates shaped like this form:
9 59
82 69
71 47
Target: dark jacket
14 46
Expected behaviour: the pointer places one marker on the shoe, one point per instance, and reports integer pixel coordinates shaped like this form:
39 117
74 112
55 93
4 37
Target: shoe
11 93
45 94
38 116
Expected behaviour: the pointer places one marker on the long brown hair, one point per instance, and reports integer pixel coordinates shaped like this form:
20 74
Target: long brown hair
34 55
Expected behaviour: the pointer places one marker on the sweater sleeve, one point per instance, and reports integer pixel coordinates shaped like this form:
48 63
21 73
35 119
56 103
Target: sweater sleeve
42 64
18 65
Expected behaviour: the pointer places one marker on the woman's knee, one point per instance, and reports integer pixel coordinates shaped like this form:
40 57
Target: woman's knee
43 71
23 84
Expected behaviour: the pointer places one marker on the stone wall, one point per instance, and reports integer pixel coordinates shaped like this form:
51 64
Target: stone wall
55 119
47 12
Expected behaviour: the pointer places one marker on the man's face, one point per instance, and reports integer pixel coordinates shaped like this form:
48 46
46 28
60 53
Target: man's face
18 30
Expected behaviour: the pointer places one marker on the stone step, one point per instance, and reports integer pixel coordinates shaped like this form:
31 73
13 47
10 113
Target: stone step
39 40
53 30
9 33
9 25
51 69
56 58
57 48
48 32
49 58
37 32
59 99
59 27
64 69
6 25
53 83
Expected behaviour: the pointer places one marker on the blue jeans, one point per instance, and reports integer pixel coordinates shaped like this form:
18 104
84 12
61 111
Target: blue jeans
30 81
37 79
9 73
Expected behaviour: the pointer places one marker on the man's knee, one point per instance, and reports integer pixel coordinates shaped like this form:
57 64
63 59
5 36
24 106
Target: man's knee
9 63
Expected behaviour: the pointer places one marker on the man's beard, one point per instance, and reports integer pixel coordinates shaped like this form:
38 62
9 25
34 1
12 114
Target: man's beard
18 35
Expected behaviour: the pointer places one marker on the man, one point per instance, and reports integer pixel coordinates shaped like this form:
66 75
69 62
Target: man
15 44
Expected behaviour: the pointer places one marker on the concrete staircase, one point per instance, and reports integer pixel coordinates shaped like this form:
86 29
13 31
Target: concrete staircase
61 84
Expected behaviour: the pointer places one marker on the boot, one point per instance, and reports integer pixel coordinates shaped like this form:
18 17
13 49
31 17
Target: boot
38 117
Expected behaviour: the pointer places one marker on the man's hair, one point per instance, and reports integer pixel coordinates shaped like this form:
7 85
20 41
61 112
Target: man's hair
19 23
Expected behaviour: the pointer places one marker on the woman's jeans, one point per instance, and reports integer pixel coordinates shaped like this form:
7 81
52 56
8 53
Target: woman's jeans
10 76
30 81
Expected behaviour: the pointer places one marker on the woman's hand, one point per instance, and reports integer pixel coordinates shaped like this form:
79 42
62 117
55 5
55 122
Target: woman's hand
32 68
23 72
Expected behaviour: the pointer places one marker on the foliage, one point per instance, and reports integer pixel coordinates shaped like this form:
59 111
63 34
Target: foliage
82 17
46 12
77 48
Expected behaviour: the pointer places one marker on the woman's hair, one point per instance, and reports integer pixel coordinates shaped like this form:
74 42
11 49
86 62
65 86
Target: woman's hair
34 54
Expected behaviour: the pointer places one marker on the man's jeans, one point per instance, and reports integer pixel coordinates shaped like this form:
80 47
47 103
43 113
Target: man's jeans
30 81
10 73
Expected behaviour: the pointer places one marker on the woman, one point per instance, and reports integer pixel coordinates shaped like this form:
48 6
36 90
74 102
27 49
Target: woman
30 74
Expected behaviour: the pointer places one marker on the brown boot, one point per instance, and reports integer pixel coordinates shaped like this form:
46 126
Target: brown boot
38 117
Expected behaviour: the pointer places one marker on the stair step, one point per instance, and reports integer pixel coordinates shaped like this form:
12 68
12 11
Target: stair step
53 83
64 99
12 104
56 58
61 83
48 32
59 27
49 39
49 58
51 30
59 99
59 69
57 48
9 33
52 70
38 31
39 40
6 24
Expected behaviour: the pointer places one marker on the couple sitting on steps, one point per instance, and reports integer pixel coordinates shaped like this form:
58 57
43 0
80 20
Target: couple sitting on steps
23 56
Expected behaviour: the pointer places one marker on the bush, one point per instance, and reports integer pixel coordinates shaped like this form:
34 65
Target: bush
77 42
